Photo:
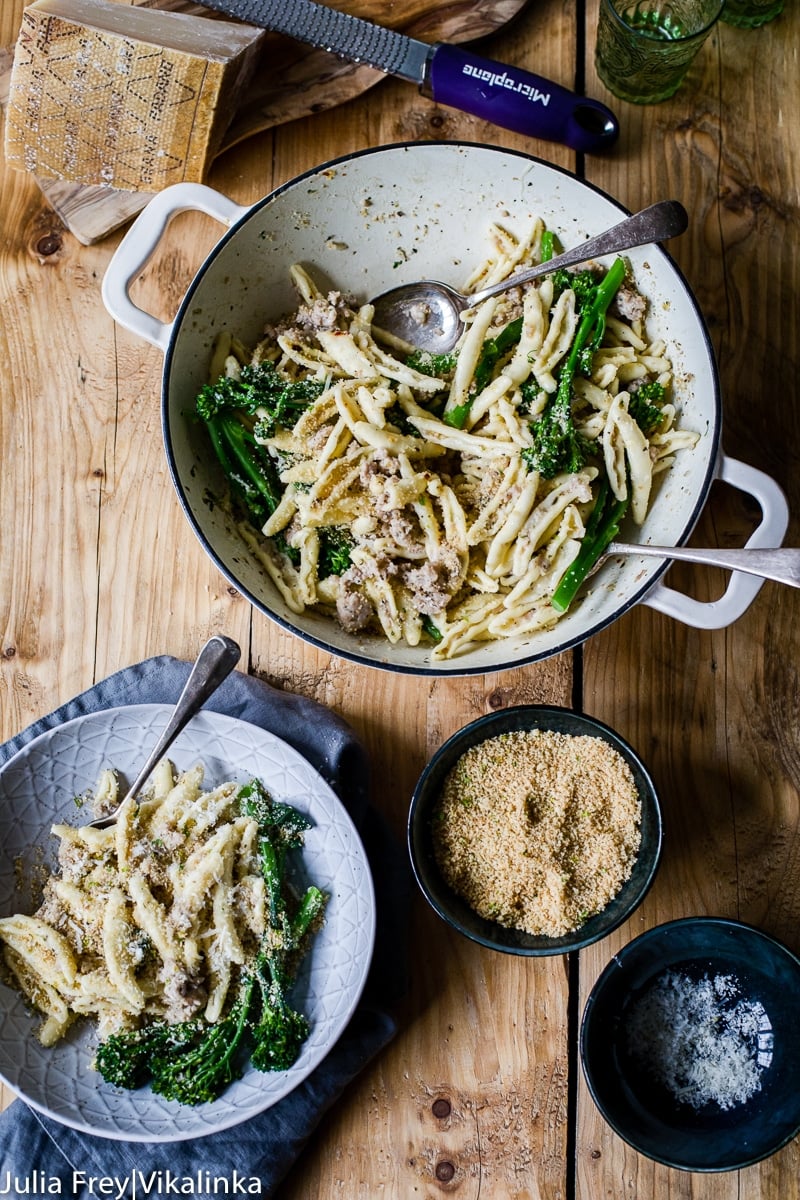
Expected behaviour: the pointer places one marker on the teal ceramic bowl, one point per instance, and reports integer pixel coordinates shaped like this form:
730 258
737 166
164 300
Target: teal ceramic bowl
714 1135
453 909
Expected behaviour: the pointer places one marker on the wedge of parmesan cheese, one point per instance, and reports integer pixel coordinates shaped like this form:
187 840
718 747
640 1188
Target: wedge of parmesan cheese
133 98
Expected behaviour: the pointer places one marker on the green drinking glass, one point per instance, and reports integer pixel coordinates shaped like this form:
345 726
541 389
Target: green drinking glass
749 14
645 47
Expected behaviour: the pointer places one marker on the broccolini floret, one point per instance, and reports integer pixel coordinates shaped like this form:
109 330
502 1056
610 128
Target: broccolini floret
261 392
582 283
283 822
241 411
335 545
557 445
199 1073
280 1031
124 1059
440 366
645 405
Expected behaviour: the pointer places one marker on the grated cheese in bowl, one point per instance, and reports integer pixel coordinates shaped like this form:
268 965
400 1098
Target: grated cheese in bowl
701 1039
690 1044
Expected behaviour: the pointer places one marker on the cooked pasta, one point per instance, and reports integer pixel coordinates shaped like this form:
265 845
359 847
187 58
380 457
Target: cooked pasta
155 919
411 494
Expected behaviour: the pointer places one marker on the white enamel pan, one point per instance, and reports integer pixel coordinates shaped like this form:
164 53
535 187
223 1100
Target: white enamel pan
394 214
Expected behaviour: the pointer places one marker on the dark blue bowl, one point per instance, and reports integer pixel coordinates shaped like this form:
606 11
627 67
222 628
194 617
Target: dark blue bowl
455 911
644 1113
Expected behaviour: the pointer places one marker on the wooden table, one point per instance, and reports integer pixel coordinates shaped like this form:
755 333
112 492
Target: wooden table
99 569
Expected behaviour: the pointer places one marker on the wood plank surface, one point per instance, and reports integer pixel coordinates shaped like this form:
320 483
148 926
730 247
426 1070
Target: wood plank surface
98 569
715 713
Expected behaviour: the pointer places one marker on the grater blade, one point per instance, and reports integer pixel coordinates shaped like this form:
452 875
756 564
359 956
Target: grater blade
351 37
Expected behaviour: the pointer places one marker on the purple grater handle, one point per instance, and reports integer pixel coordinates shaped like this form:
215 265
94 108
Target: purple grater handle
518 100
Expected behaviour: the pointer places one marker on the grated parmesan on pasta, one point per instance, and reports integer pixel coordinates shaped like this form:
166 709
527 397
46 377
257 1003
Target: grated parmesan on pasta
155 917
456 539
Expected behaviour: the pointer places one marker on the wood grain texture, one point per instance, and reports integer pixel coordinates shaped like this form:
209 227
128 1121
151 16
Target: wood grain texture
715 713
98 569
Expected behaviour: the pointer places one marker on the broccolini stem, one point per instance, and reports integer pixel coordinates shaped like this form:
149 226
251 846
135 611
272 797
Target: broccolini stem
311 906
491 351
218 442
240 445
556 443
601 529
548 245
433 632
249 471
592 325
271 867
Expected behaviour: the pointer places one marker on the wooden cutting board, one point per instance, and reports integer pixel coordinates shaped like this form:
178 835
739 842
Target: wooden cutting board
309 80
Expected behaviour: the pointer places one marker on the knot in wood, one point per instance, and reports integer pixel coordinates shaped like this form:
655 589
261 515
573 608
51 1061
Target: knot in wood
444 1171
49 243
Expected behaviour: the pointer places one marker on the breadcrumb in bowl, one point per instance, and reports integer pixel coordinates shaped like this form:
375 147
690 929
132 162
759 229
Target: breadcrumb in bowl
535 830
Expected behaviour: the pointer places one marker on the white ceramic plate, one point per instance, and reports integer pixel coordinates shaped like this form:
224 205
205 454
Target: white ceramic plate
38 787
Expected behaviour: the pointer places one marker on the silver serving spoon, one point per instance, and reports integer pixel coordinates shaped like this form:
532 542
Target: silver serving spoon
782 564
214 664
427 314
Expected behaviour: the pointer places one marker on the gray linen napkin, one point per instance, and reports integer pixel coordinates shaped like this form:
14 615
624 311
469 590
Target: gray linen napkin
40 1157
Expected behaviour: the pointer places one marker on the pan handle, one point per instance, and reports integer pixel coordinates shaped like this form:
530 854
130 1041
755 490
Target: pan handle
140 243
742 589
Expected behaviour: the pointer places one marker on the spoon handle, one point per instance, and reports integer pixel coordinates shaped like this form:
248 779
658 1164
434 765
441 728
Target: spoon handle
214 664
663 220
782 564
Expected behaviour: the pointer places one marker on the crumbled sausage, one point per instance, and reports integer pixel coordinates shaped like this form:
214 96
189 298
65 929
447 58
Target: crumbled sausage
353 609
428 586
629 303
327 312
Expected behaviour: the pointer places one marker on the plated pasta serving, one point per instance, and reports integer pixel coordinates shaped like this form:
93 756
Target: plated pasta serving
50 783
446 499
177 931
